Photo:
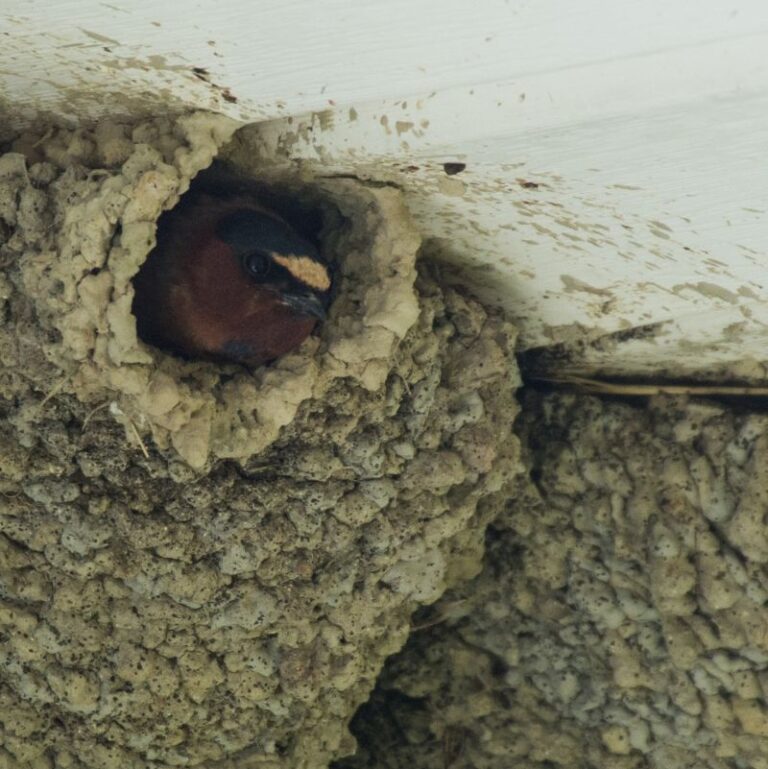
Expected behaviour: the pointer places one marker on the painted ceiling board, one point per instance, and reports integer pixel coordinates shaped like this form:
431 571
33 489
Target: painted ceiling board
614 176
275 58
584 209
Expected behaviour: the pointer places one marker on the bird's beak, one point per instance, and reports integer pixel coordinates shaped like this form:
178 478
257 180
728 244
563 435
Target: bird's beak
305 304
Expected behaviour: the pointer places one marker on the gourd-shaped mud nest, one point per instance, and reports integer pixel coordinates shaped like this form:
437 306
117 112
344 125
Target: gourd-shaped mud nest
202 564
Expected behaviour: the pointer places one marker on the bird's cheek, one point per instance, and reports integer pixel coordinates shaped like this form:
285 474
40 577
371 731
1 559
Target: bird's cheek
289 335
298 328
265 337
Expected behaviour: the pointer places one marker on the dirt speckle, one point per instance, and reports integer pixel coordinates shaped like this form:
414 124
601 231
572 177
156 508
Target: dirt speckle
451 187
574 284
451 169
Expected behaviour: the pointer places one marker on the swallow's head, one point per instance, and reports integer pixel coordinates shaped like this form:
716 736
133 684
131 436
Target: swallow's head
277 259
231 280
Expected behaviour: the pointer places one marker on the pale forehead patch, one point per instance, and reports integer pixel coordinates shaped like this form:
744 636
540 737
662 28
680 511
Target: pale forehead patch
305 269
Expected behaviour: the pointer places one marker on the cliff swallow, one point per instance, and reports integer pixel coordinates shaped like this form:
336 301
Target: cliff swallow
229 280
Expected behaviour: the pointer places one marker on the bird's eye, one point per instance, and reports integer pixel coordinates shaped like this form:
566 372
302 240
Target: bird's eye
257 264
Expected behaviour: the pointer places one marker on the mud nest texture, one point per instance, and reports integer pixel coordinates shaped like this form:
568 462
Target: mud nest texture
202 565
620 619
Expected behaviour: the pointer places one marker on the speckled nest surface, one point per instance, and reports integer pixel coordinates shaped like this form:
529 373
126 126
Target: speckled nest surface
202 565
620 620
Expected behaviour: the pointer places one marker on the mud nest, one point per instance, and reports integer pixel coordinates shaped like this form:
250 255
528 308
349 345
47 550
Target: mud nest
620 619
204 565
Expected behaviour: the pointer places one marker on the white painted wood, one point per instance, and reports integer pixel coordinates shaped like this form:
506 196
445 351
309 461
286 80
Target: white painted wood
606 197
614 151
283 57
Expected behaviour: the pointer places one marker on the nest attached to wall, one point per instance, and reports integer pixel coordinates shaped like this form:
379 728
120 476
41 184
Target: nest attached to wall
204 565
